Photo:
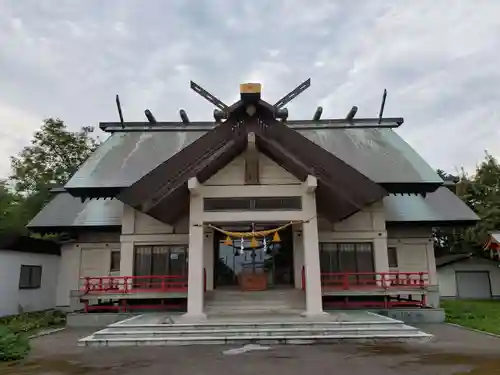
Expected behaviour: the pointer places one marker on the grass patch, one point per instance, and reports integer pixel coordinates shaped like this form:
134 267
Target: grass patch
482 315
32 322
13 346
15 330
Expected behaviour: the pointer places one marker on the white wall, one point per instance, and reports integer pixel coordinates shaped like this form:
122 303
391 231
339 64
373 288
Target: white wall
89 256
414 246
415 251
270 173
367 225
14 300
447 280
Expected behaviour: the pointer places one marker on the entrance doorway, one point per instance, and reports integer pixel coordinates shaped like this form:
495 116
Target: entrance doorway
274 259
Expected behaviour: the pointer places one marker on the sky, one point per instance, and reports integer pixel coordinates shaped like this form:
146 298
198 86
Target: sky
439 61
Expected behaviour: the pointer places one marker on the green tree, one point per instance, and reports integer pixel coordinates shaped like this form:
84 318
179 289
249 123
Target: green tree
53 156
9 207
55 153
481 192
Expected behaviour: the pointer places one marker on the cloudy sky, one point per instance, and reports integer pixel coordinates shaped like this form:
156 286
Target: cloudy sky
439 61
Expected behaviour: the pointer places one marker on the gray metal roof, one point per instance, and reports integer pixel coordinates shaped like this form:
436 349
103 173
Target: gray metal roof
380 154
439 206
451 258
126 157
67 211
496 236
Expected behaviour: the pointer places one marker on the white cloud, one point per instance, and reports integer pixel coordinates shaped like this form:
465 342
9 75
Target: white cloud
16 128
438 61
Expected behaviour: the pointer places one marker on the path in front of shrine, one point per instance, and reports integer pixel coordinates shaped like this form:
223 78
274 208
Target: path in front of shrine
454 351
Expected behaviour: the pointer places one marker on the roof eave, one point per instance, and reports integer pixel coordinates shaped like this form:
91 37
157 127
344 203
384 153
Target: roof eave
459 223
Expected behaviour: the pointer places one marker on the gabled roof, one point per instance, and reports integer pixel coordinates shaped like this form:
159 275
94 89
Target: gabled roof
341 189
493 241
451 258
380 154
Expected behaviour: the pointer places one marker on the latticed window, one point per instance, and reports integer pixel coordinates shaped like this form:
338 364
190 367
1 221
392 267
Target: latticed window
159 260
346 257
353 259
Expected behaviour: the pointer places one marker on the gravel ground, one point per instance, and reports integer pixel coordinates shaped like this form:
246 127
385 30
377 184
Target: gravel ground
455 351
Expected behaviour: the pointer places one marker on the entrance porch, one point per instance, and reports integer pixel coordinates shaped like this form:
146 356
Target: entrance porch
329 268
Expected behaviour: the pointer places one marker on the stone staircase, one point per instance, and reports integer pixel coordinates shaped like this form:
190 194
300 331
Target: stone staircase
236 302
264 328
264 333
270 317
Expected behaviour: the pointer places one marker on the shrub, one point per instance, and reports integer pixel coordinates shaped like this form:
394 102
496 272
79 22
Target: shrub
29 322
13 346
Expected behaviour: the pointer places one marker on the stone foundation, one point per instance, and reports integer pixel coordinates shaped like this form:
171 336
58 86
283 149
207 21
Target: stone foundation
414 316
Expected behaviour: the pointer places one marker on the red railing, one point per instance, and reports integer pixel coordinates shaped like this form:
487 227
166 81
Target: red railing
134 284
138 284
109 285
373 280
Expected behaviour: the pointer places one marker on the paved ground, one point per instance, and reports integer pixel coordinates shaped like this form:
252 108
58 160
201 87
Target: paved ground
456 351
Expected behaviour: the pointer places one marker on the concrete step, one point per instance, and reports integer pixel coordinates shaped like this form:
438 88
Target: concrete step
200 327
265 296
249 312
224 333
234 302
251 304
262 332
285 339
263 308
236 329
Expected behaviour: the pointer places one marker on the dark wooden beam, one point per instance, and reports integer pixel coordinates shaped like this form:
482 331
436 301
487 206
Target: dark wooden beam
283 158
190 171
356 123
171 126
351 114
361 123
251 161
175 168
